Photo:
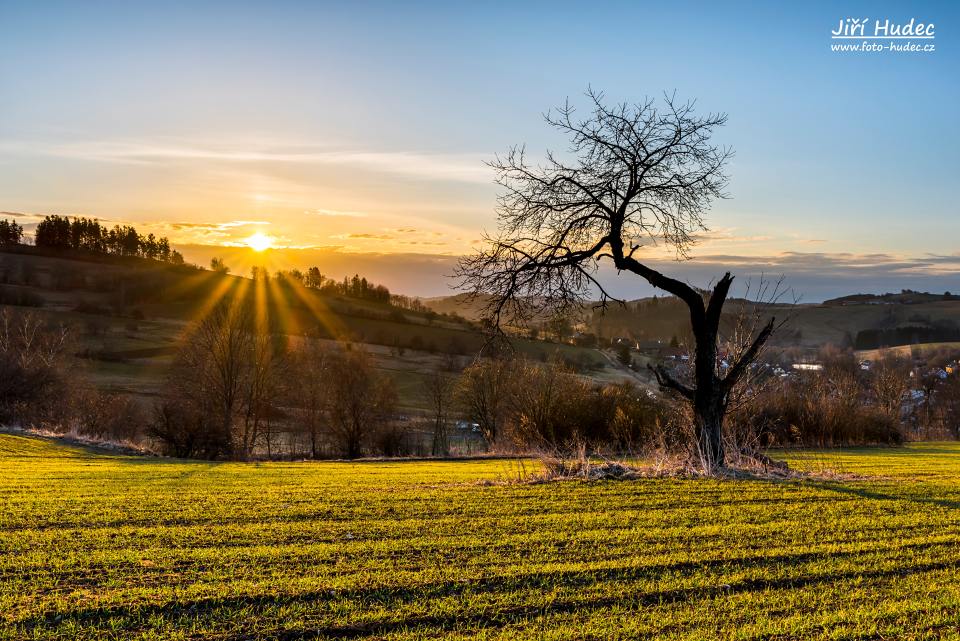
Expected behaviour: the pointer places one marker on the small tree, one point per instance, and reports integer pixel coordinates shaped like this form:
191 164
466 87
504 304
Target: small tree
634 174
484 393
218 265
308 389
438 390
359 400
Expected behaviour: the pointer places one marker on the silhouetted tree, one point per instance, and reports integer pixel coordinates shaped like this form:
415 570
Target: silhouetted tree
633 174
10 233
218 265
228 374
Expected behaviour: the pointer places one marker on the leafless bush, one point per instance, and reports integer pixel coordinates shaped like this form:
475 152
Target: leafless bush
394 439
823 409
108 415
37 373
185 430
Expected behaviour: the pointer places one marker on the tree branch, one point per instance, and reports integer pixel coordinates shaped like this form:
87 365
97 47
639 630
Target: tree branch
748 356
666 381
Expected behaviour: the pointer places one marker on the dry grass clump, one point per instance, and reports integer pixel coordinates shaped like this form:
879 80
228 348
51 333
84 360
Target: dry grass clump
577 464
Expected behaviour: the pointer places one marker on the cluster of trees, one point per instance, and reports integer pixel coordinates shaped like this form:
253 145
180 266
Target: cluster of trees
898 397
85 234
356 287
234 391
524 405
239 389
413 303
236 384
10 233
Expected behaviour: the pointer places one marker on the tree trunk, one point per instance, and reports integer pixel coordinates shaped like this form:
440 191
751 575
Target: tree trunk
709 398
709 410
710 393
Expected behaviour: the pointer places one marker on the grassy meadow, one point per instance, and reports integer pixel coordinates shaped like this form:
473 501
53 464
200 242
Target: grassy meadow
100 546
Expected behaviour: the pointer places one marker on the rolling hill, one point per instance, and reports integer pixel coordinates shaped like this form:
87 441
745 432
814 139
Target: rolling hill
861 321
128 314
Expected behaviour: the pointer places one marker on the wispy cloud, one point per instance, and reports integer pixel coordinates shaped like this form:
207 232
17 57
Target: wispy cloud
334 213
363 236
222 233
415 164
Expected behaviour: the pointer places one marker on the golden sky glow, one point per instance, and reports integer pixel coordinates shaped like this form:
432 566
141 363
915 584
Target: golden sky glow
352 137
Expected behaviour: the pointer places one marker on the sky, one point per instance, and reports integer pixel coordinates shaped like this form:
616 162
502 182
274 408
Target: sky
354 134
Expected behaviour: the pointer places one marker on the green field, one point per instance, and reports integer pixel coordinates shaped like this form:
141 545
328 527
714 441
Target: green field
99 546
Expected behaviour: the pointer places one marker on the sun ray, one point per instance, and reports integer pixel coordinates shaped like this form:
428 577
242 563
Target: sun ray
287 316
320 311
219 293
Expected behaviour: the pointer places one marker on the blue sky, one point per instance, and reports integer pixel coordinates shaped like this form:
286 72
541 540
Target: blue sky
361 127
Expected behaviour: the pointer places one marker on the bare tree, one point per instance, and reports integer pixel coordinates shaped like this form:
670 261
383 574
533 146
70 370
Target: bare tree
37 379
890 383
212 367
438 390
260 391
310 371
359 399
634 174
228 372
484 393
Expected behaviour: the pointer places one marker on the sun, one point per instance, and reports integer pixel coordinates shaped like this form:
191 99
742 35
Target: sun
259 242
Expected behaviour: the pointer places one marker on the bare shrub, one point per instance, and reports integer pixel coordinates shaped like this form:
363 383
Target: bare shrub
823 409
37 372
108 415
394 439
185 430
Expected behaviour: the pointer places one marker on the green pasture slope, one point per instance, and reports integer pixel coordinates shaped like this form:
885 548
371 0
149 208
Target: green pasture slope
99 546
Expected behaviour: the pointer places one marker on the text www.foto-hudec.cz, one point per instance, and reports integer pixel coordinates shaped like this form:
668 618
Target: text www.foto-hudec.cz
883 35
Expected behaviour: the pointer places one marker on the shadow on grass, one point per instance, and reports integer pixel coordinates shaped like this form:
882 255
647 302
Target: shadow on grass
874 495
228 609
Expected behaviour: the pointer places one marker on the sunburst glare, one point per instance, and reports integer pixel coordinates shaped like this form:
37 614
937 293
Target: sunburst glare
259 241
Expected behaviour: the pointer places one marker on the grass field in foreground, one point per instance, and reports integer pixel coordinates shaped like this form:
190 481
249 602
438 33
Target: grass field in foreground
102 547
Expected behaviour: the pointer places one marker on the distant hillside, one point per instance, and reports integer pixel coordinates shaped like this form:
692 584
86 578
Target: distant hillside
471 308
129 312
905 297
861 321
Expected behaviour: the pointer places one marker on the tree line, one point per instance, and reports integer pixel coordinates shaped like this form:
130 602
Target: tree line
62 233
351 287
